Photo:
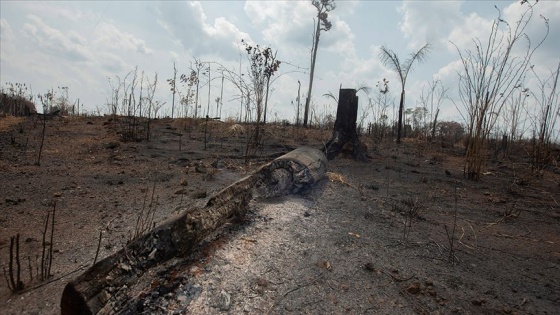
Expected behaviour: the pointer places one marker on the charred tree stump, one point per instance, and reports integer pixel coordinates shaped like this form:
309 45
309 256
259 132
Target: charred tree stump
345 138
102 289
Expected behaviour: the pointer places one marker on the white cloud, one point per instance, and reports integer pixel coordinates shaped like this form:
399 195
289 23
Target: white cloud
339 39
6 32
187 23
109 37
6 40
283 24
54 41
48 8
419 24
291 24
472 26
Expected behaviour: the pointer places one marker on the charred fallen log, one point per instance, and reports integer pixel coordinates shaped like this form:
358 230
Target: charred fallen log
102 288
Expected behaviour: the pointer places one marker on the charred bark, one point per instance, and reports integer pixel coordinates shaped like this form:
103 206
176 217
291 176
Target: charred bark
345 138
102 288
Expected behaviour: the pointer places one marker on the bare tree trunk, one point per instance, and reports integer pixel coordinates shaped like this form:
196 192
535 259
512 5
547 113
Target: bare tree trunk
434 125
298 102
174 85
266 99
399 126
312 72
345 138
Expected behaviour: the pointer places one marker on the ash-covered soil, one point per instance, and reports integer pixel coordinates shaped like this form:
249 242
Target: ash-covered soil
371 238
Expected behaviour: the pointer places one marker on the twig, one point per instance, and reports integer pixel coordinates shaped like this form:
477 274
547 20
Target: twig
293 290
11 266
44 246
498 234
451 236
30 269
98 246
19 284
439 247
42 141
51 245
140 215
52 280
395 278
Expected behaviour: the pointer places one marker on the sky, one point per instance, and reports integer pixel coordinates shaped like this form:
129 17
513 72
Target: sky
84 44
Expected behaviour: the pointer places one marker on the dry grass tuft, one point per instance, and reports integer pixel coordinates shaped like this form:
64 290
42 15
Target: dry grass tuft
337 178
236 130
7 122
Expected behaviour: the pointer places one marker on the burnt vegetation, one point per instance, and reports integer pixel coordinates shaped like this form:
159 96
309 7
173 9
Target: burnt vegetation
504 154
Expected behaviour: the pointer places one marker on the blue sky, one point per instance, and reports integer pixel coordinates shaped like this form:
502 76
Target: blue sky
80 44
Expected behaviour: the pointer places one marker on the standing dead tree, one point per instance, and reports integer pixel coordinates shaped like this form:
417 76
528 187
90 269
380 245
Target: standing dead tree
433 98
390 59
549 108
489 76
323 24
173 87
345 137
263 65
187 98
378 105
46 100
198 65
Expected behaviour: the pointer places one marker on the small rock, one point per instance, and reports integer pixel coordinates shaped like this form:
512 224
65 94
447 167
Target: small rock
369 267
478 302
262 282
57 194
224 301
125 267
199 194
218 164
111 145
184 182
200 169
413 288
12 201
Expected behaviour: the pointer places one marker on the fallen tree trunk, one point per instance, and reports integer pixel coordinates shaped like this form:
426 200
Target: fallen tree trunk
102 288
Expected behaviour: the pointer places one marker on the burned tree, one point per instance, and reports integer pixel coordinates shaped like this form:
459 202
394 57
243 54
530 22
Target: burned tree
345 137
490 74
323 24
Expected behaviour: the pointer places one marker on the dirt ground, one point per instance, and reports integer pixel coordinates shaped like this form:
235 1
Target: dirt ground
371 238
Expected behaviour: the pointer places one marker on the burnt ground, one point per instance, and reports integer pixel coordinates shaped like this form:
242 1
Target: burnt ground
370 239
